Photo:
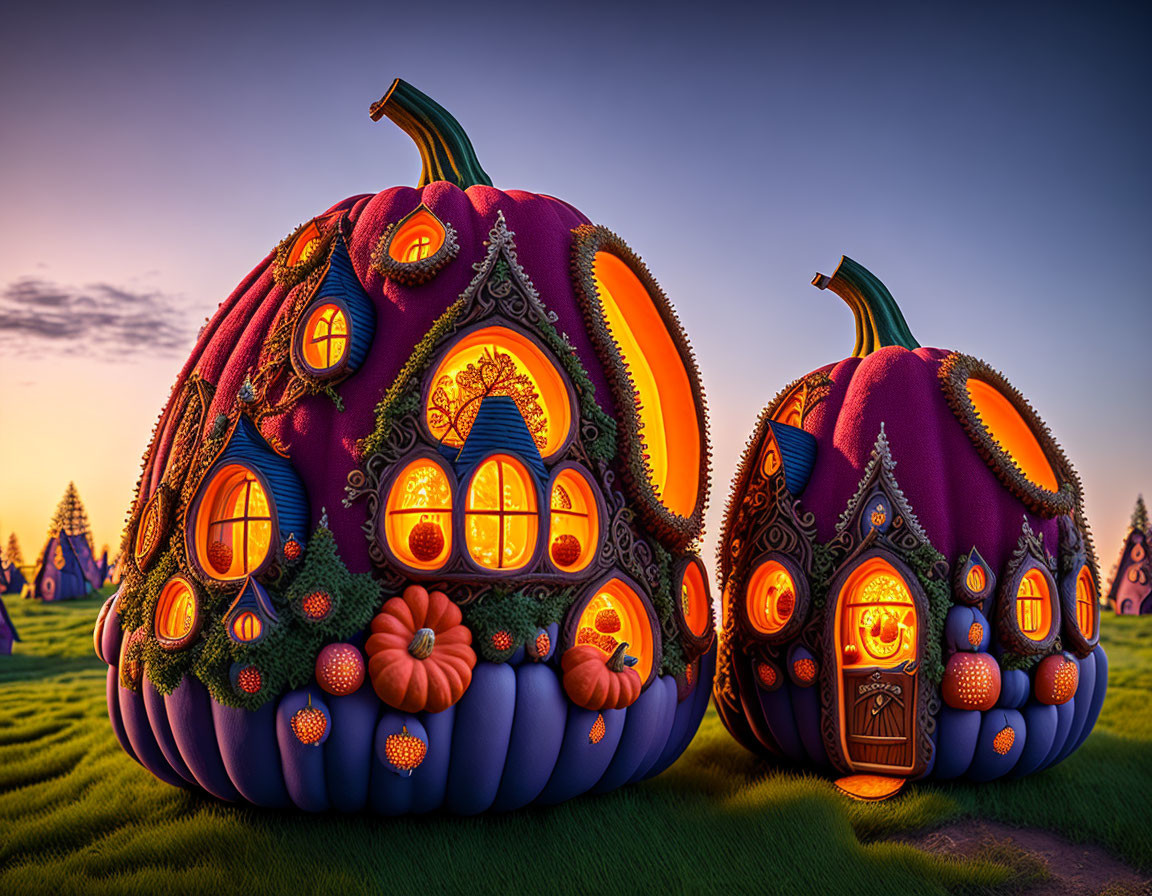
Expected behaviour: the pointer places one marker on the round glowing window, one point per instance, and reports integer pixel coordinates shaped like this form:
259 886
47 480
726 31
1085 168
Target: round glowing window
418 515
1034 605
233 535
668 421
770 598
694 599
976 580
501 519
323 340
616 614
1086 603
177 620
1004 423
574 527
498 361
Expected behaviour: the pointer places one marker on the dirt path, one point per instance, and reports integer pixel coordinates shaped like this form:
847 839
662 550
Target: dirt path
1046 863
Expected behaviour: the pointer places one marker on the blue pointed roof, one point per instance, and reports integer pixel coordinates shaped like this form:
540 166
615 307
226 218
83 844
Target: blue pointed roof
252 597
8 621
797 454
499 427
340 281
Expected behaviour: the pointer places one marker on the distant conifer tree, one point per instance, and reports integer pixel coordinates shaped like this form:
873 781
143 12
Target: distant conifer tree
13 554
71 516
1140 515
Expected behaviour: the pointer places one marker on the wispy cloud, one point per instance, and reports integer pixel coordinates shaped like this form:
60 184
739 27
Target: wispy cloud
101 321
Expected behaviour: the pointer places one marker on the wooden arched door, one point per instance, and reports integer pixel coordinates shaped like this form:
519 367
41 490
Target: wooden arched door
878 638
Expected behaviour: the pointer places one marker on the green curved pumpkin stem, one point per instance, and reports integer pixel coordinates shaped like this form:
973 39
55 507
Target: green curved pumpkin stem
879 321
616 661
445 149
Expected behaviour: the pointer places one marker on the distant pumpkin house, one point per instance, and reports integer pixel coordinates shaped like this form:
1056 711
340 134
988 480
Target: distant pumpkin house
12 580
8 632
67 569
1130 593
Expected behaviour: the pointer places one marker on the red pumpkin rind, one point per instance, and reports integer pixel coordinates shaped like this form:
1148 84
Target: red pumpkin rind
590 683
1057 679
416 685
971 681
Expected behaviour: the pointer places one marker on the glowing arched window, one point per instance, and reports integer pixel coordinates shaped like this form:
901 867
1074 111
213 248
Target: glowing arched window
306 243
1034 606
1086 603
1004 423
499 361
233 524
694 600
418 515
324 339
976 580
177 619
500 516
770 597
616 614
876 617
668 422
791 410
574 527
417 237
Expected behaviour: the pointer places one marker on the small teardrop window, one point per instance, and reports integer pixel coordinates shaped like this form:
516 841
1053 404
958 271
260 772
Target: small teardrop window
324 338
414 249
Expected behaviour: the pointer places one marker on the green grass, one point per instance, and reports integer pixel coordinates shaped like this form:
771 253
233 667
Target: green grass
78 816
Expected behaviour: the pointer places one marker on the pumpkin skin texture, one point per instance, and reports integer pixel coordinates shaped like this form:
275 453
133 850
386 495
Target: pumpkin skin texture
928 526
478 694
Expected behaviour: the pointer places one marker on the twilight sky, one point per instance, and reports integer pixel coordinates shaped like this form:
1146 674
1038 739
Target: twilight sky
989 164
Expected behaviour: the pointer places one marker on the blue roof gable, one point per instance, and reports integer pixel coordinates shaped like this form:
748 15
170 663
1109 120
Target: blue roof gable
797 454
499 427
288 495
341 282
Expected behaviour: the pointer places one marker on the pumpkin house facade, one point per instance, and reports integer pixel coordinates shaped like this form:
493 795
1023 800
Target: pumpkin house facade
909 585
67 569
11 578
8 632
417 528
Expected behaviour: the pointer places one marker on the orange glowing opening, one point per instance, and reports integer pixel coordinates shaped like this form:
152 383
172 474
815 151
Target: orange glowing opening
146 533
1034 606
694 599
634 626
1015 436
418 515
175 611
419 236
305 244
574 528
500 515
876 618
499 361
669 425
791 412
770 459
247 626
976 580
770 598
233 524
325 341
1086 603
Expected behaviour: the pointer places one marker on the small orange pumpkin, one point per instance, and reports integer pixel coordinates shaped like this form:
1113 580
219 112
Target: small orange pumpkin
1057 678
595 683
419 653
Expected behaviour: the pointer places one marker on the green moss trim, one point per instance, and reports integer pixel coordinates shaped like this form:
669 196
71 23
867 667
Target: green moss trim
514 612
921 561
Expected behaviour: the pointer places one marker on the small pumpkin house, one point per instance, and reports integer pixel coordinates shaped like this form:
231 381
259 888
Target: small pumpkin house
12 578
909 586
8 632
1130 592
417 529
67 569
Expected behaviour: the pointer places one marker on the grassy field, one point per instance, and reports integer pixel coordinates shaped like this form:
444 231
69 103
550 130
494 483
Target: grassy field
77 815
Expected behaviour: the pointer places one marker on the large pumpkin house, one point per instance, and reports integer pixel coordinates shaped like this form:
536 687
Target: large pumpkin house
1130 592
909 586
416 528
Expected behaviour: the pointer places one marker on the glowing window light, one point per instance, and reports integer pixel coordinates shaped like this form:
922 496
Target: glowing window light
573 530
325 341
175 612
694 600
976 580
770 597
669 424
418 515
877 617
630 623
247 626
500 515
1004 423
234 524
1033 606
1086 603
498 361
420 236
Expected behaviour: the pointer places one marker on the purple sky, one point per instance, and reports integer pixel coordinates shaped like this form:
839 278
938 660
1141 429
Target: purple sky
989 164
